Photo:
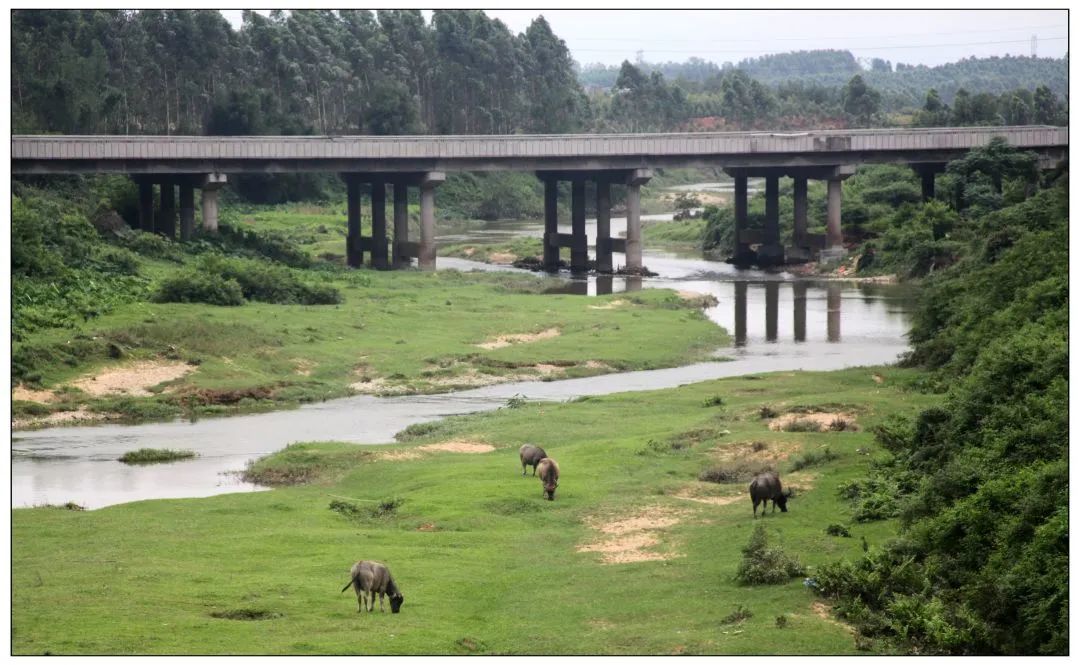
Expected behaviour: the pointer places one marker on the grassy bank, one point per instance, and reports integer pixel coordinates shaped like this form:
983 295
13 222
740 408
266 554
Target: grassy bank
472 544
394 333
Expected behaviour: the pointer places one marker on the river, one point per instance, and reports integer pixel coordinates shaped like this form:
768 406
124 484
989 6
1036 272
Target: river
779 322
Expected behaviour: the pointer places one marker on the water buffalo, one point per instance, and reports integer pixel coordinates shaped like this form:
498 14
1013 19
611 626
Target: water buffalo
530 456
765 487
374 578
549 476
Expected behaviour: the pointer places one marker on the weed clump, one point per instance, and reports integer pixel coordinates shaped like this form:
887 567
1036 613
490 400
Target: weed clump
155 455
801 425
810 458
762 564
738 616
245 614
738 470
766 412
838 530
715 400
381 509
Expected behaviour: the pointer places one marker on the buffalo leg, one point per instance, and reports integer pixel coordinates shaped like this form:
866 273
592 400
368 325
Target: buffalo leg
523 467
755 507
381 595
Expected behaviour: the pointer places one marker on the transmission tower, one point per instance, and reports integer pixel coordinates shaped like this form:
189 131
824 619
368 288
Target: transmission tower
1034 46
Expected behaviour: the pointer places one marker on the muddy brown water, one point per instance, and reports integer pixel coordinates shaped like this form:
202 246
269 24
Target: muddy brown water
779 323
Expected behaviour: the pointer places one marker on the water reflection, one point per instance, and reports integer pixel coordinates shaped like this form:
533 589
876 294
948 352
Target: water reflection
798 296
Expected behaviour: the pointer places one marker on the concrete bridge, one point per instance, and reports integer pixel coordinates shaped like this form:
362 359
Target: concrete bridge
624 160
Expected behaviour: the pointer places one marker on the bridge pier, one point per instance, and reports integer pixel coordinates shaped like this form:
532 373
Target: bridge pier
772 311
211 183
771 252
165 223
740 313
834 236
928 174
428 183
634 181
146 205
401 226
380 259
603 227
579 241
354 249
551 224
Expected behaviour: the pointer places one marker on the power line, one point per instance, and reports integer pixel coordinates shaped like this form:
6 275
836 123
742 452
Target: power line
854 48
806 39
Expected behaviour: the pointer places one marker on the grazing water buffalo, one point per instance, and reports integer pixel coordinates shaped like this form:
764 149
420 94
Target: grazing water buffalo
530 456
765 487
549 476
374 578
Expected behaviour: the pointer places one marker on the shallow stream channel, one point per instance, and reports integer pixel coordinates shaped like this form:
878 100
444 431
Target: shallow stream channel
778 323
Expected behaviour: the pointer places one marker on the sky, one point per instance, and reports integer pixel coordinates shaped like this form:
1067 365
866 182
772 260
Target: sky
918 36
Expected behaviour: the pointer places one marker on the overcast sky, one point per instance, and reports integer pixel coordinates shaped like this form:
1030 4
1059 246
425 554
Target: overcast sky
913 36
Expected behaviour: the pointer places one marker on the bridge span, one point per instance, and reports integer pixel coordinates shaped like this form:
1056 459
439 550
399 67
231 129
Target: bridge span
623 160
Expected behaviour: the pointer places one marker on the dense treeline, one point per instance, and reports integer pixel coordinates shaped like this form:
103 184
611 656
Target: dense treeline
902 85
312 71
980 484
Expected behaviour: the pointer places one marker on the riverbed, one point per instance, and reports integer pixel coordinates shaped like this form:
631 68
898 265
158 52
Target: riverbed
779 322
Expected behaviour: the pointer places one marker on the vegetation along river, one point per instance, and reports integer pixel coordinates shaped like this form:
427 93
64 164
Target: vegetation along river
778 322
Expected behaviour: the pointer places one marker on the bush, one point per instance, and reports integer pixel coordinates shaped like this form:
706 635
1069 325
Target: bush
735 471
762 564
196 286
155 455
838 530
822 455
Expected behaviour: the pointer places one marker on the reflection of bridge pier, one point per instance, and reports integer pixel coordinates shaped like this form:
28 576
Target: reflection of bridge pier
832 299
740 313
772 310
799 302
604 285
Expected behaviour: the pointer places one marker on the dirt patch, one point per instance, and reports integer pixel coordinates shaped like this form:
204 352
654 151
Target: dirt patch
596 364
60 418
878 378
766 451
706 493
626 539
303 366
823 612
502 258
398 455
468 251
502 341
24 394
614 304
800 480
208 396
823 421
430 526
132 379
702 300
467 447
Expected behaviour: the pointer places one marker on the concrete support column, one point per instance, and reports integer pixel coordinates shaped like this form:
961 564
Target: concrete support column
579 250
603 226
771 252
742 249
633 217
212 182
799 194
146 206
551 224
380 259
401 224
354 253
165 223
834 237
427 218
187 211
928 177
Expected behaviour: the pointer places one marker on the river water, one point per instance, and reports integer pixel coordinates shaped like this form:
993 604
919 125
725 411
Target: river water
779 322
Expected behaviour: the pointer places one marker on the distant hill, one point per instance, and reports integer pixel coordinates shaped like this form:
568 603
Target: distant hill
902 85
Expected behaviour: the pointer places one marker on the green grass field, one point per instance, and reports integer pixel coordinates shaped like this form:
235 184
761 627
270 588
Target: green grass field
395 332
485 563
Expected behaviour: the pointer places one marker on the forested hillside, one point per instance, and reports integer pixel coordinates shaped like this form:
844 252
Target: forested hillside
394 72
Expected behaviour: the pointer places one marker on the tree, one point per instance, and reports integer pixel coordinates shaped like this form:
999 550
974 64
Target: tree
861 101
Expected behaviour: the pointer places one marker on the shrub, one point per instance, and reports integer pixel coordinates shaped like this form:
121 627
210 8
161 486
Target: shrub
801 425
738 616
766 412
737 470
196 286
155 455
762 564
810 458
838 530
